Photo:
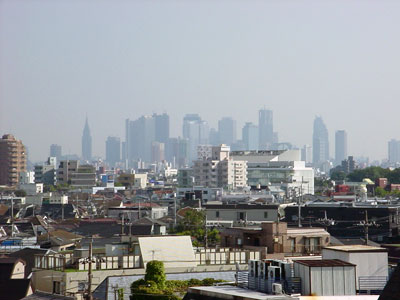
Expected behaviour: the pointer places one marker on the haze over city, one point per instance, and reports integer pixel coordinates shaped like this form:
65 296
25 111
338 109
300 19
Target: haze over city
110 60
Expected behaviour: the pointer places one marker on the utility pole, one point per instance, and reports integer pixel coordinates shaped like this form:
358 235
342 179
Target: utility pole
123 224
12 215
90 275
299 210
366 224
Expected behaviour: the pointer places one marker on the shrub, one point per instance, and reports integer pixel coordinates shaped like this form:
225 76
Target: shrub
155 272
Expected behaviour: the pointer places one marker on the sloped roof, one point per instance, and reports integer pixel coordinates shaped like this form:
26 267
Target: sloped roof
14 289
60 235
392 288
28 255
148 221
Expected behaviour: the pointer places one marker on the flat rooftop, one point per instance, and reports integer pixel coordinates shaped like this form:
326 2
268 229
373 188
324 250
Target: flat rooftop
236 293
356 248
324 263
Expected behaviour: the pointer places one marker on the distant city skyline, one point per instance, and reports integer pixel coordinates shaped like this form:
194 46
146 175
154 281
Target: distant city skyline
297 58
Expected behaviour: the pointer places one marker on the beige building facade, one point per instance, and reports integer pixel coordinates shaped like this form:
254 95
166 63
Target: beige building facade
12 160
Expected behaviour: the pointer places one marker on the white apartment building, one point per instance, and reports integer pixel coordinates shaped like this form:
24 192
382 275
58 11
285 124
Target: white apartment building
282 168
220 170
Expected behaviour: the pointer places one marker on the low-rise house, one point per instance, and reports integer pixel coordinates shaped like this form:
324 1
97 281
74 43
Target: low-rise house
59 240
242 214
277 238
13 284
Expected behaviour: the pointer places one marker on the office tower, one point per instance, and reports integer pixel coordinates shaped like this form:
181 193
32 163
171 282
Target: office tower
340 146
320 142
227 131
250 136
12 160
113 150
86 143
162 127
141 133
55 151
157 152
394 151
306 154
266 128
214 137
177 152
196 131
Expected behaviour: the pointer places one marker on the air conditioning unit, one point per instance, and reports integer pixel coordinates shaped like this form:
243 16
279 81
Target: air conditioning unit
274 273
277 289
252 268
262 271
286 270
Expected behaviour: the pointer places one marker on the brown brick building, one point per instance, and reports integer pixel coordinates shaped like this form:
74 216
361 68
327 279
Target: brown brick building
12 160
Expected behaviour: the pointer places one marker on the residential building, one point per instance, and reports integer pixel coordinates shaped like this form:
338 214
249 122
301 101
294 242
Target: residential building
86 142
394 151
83 177
340 146
65 169
220 170
241 214
133 180
250 136
227 131
320 142
26 177
56 151
46 173
12 160
348 165
277 168
204 194
186 177
266 128
113 150
277 237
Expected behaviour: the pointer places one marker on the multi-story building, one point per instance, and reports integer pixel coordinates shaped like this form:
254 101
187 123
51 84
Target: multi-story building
196 131
12 160
65 169
250 136
113 150
220 170
227 131
280 168
141 133
394 151
86 143
56 151
340 146
320 142
157 152
266 128
306 154
177 152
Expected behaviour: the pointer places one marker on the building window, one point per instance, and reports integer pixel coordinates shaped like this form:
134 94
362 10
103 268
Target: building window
265 215
56 287
217 214
241 216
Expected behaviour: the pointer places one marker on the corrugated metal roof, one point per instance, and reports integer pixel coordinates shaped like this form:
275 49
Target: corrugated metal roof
324 263
356 248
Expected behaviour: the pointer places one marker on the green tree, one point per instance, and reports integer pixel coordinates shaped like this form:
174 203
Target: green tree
155 272
338 175
380 192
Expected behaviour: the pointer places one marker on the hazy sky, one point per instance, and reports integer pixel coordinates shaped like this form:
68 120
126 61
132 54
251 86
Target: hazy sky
112 60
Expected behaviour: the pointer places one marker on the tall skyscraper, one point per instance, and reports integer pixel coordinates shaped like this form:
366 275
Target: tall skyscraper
113 150
320 142
196 131
86 142
340 146
141 133
177 152
250 136
162 127
394 151
266 128
227 131
12 160
306 154
55 151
